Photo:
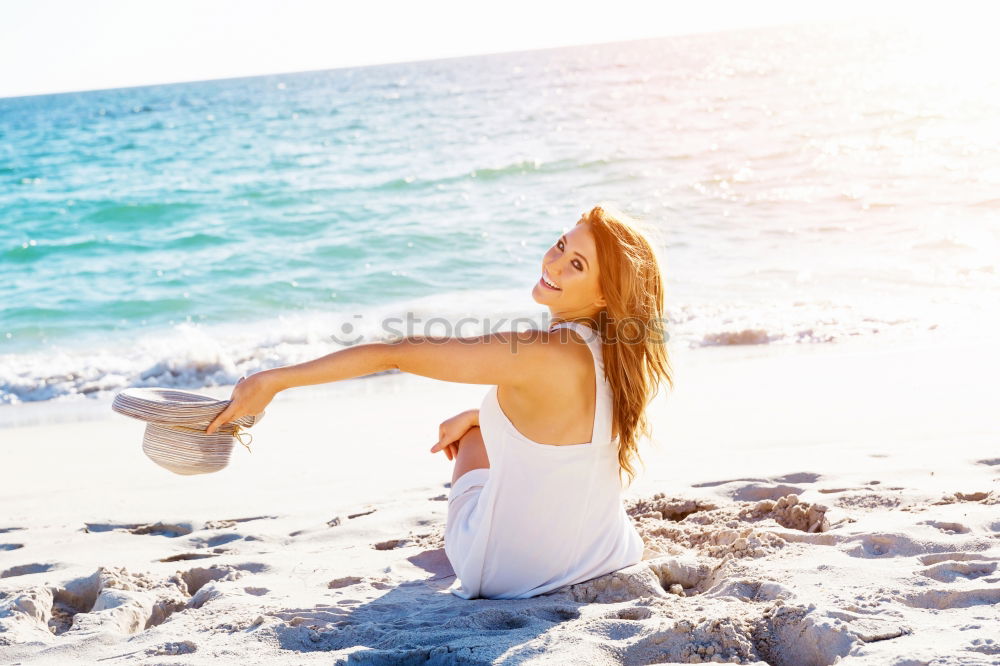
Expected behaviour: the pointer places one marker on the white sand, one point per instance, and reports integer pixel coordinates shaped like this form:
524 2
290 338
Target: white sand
806 505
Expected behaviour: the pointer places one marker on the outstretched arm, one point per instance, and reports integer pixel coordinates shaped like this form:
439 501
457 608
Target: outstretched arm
509 358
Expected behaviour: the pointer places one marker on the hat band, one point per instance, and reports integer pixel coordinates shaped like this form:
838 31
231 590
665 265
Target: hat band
238 432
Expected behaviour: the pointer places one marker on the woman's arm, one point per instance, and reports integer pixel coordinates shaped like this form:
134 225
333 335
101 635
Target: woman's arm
511 358
508 358
354 361
469 418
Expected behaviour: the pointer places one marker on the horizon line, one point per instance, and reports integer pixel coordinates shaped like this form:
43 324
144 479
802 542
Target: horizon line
426 60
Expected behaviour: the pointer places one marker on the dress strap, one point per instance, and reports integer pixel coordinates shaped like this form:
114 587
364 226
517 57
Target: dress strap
602 403
589 334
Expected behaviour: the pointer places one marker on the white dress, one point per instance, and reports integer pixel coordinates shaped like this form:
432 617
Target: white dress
541 516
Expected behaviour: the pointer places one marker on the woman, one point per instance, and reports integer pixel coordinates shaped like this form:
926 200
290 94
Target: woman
535 500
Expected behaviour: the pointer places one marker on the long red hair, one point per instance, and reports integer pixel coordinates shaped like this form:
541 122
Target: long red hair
632 325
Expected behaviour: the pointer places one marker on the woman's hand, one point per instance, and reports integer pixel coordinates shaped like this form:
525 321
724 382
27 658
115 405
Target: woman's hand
250 396
452 430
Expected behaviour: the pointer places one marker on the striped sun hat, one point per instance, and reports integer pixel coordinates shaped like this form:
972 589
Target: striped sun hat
175 435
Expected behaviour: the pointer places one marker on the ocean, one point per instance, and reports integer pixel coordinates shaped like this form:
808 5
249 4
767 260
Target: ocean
807 184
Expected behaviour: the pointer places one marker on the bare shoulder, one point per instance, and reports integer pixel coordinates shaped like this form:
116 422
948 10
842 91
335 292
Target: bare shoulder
551 350
508 358
555 357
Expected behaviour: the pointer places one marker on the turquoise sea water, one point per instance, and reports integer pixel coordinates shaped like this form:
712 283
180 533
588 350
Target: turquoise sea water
808 184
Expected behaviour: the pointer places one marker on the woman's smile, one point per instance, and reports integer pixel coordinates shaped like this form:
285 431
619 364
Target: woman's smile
547 283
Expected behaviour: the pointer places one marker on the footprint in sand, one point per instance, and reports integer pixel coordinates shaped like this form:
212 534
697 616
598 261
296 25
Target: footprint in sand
114 599
215 541
343 582
379 583
988 497
555 614
950 598
391 544
949 528
187 556
754 489
155 529
958 556
175 530
633 613
319 617
756 492
428 540
867 499
879 545
947 567
950 571
26 569
494 619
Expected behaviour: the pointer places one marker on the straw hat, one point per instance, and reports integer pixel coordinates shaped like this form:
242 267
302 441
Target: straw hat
175 435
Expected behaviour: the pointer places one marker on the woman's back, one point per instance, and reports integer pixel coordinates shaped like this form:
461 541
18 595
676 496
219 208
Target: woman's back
558 407
542 516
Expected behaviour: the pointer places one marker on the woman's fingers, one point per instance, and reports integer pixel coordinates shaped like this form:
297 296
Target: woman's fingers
223 417
450 450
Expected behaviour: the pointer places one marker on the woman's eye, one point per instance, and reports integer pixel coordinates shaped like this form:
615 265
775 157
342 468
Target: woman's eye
578 265
559 244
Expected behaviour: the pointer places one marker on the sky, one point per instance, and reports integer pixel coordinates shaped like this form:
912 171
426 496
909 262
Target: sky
51 46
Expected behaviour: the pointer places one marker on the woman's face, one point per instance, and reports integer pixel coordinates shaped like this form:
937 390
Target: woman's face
570 265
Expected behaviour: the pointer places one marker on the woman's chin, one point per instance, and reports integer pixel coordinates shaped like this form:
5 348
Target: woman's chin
539 295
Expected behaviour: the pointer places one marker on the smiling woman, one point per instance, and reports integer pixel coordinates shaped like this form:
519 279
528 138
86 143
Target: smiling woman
557 428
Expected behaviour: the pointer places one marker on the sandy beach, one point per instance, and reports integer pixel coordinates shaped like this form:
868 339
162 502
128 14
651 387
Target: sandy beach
805 504
821 487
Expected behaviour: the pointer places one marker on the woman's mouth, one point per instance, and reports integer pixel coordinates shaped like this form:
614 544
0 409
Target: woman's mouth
548 285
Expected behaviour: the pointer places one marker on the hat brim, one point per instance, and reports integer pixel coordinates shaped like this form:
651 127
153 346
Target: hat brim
175 407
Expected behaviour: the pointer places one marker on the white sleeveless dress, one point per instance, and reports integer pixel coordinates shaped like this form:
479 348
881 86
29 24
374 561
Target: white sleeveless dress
541 516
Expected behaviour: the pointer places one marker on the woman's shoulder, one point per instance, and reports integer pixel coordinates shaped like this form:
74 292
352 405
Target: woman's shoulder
584 340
